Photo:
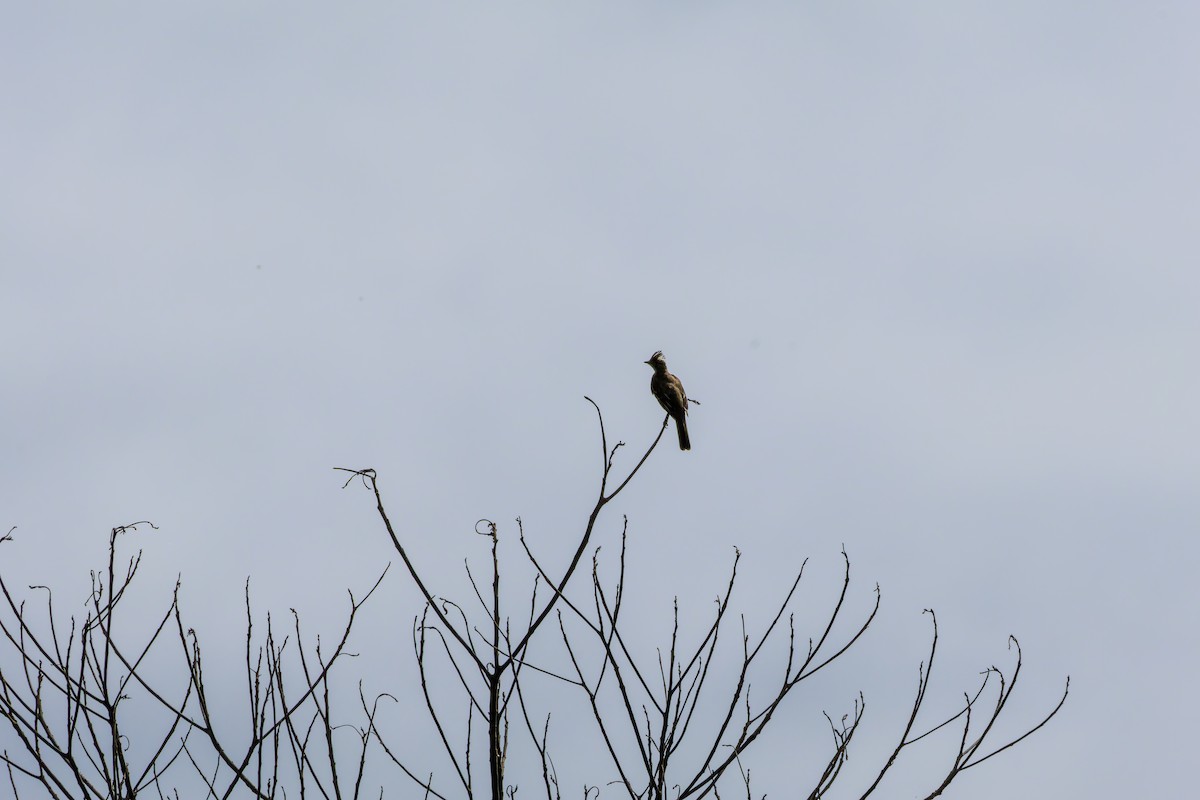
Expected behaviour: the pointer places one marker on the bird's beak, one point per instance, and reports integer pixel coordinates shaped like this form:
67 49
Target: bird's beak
645 362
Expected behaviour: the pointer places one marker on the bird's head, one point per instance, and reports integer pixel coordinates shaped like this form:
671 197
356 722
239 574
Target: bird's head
657 361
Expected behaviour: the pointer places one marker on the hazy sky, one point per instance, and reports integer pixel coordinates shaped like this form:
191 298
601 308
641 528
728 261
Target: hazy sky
930 267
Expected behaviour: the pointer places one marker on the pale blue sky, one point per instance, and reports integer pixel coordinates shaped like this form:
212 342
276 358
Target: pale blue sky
930 267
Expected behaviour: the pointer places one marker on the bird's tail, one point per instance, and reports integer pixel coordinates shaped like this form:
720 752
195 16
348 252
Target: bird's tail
681 428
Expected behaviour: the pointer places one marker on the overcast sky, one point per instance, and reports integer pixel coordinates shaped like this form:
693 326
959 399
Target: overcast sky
930 268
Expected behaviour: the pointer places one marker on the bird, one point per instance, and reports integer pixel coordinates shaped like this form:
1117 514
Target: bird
669 392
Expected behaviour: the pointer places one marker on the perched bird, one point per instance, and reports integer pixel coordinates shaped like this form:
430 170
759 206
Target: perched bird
667 389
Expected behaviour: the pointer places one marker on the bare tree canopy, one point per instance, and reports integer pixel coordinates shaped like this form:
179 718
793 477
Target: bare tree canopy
93 712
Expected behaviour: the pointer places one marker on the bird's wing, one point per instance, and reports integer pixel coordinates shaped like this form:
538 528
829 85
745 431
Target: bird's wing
669 392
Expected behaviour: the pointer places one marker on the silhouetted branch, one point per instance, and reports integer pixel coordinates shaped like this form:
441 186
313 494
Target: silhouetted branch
68 711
